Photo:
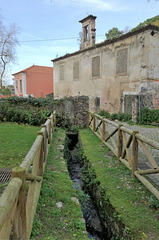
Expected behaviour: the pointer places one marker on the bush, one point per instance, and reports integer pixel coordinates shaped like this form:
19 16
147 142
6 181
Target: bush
5 91
113 116
153 202
3 109
149 116
128 117
24 110
104 114
120 116
37 102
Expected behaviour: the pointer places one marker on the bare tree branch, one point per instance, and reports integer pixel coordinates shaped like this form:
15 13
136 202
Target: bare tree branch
8 43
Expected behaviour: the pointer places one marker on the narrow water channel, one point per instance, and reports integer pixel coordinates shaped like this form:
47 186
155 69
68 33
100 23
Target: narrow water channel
94 226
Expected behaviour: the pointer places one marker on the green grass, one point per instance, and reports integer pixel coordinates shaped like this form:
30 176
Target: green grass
50 221
126 194
15 141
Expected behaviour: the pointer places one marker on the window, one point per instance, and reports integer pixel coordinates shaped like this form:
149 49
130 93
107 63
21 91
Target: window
121 61
16 84
97 102
61 72
86 33
20 86
76 70
96 66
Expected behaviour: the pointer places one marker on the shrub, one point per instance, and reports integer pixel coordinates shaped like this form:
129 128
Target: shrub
5 91
149 116
114 116
24 110
120 116
3 109
104 114
127 117
37 102
153 202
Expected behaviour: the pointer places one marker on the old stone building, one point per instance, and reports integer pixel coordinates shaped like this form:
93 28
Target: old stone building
112 72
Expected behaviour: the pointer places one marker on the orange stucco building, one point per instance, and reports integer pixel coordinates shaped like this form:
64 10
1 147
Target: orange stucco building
36 81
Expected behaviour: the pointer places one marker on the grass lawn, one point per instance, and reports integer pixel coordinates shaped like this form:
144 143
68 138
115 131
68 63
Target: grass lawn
15 142
126 194
52 222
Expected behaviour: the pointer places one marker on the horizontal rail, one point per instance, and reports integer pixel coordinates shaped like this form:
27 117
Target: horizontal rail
110 122
98 116
124 129
28 160
147 140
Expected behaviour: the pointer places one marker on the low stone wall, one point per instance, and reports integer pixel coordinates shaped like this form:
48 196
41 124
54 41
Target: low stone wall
148 97
72 111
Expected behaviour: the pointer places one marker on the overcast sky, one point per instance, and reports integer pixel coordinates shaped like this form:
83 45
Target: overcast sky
58 22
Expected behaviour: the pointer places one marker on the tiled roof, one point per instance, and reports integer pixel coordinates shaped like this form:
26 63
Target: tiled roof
35 67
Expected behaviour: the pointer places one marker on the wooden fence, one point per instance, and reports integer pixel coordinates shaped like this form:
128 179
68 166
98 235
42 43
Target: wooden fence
126 145
19 200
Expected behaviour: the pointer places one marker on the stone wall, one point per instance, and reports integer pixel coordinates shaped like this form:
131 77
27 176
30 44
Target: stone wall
148 97
72 111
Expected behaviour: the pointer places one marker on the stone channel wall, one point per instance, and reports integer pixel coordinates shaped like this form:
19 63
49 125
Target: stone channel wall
72 111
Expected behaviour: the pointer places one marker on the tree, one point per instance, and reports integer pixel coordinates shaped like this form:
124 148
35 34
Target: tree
5 91
126 30
8 43
113 33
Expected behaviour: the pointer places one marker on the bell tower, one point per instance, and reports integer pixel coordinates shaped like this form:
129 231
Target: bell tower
88 37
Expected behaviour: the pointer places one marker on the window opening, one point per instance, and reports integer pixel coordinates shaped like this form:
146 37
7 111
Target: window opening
20 86
86 33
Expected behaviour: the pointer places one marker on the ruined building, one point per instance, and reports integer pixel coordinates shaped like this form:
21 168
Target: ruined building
112 72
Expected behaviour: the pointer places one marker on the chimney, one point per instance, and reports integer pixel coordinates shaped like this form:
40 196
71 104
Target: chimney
88 37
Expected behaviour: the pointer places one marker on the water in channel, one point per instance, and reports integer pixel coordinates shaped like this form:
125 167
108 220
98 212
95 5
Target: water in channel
94 226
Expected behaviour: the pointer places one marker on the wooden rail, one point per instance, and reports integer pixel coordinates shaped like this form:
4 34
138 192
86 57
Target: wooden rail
18 205
126 145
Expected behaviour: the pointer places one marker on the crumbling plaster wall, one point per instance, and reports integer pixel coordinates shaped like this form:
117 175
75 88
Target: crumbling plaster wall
150 87
110 86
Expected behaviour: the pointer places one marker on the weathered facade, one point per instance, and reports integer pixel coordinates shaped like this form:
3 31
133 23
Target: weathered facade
112 70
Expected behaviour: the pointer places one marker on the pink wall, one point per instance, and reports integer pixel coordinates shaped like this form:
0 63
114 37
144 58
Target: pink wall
39 81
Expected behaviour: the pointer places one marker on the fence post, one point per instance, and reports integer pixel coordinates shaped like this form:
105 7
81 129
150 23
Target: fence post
94 123
88 119
49 132
54 118
41 157
120 141
103 130
134 153
51 120
19 224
